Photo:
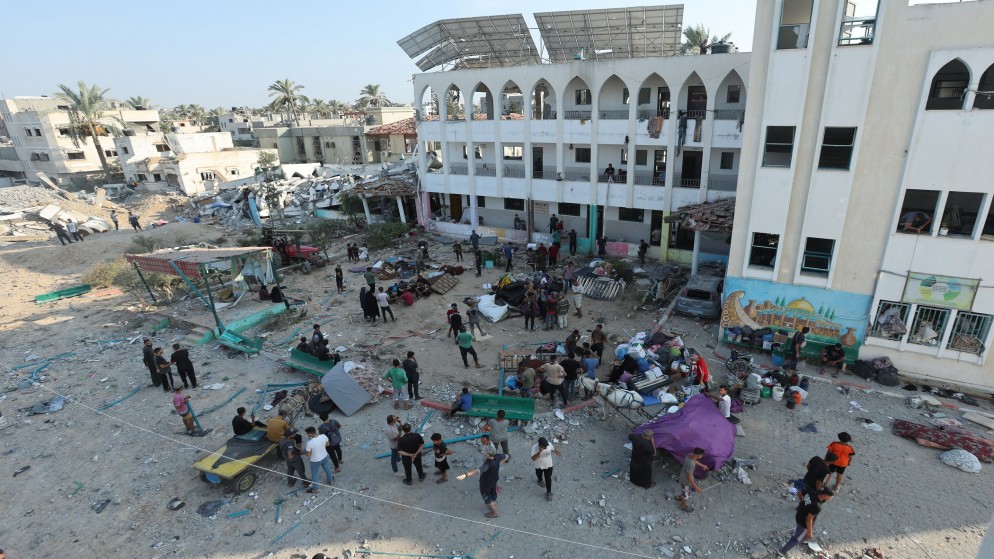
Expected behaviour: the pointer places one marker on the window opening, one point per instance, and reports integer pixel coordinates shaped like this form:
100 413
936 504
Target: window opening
779 146
631 214
734 94
837 148
727 160
928 326
948 87
917 211
583 97
859 21
892 320
795 21
582 155
969 332
817 256
985 90
566 208
764 249
959 218
515 204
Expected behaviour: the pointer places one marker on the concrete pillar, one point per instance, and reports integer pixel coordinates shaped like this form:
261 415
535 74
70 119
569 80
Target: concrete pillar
400 208
365 208
697 253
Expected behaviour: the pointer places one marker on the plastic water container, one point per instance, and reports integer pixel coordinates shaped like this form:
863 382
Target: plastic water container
777 393
488 264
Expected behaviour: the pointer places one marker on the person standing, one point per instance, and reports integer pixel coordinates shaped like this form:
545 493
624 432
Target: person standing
148 358
181 404
113 218
643 451
442 454
384 302
332 429
602 246
643 250
571 368
530 309
317 454
457 248
454 319
474 239
562 311
413 376
392 433
551 311
290 450
74 230
816 473
339 278
577 290
553 223
410 446
181 358
473 317
60 233
508 256
597 340
804 518
133 220
572 350
165 371
609 173
542 458
688 483
370 278
797 345
465 341
478 261
555 375
398 378
489 474
572 242
844 453
553 254
498 430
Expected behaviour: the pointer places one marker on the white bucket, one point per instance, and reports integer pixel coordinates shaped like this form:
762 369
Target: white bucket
777 393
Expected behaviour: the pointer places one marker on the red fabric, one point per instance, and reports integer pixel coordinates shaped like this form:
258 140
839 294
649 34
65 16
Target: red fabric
979 447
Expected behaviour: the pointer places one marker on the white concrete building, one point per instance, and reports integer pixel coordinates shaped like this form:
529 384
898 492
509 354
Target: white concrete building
534 138
866 183
39 139
240 125
195 163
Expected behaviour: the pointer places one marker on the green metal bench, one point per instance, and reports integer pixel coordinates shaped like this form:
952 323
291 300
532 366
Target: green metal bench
307 363
234 340
486 405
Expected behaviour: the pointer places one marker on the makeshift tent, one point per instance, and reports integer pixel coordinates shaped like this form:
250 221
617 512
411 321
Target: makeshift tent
490 308
697 424
343 390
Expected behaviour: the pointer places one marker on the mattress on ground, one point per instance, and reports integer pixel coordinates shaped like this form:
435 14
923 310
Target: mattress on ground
979 447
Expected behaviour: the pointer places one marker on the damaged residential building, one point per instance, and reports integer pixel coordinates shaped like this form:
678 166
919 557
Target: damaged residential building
865 207
602 126
39 140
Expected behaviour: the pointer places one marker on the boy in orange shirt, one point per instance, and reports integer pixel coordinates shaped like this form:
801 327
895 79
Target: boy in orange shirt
845 452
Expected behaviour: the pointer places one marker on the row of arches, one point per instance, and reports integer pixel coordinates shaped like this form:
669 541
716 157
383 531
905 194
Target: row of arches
950 85
576 99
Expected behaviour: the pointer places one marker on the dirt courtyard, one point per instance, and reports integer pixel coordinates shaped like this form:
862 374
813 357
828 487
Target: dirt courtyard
99 481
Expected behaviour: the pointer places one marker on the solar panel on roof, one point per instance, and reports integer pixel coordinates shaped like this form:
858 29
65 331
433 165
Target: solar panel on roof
502 40
611 33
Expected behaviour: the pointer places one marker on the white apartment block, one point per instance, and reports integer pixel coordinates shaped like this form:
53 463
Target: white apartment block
38 129
240 125
532 136
194 162
867 181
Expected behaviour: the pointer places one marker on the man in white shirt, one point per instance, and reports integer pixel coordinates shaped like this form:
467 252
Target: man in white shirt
317 452
577 297
542 458
725 404
384 302
555 375
74 230
392 433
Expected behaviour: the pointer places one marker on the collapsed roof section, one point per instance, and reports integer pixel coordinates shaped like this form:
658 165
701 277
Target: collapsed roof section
475 42
176 261
635 32
714 216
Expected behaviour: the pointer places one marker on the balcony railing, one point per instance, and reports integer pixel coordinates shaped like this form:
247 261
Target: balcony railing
729 114
545 115
577 115
514 171
613 115
458 169
547 172
695 114
486 170
645 115
857 31
690 183
723 182
576 174
650 179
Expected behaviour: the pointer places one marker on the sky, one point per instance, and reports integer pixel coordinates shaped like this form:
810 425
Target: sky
225 53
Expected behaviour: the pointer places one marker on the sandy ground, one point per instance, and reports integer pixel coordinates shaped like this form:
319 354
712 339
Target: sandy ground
898 497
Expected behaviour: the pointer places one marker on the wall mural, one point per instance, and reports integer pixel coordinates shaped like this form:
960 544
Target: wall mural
833 316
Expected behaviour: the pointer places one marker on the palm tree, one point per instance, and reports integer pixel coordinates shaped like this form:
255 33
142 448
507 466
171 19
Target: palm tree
197 114
321 107
373 96
338 107
305 106
214 117
699 39
87 107
139 103
286 97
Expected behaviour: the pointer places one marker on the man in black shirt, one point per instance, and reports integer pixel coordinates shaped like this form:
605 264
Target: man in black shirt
303 345
807 512
572 368
413 376
409 447
817 472
290 451
148 358
643 249
240 425
489 476
181 358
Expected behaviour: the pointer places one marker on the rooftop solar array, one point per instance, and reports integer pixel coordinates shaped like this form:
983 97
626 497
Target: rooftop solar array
476 42
634 32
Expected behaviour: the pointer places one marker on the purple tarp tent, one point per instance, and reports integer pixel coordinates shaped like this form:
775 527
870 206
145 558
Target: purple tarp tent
697 424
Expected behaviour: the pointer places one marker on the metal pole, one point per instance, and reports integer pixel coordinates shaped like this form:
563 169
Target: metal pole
276 278
145 283
210 299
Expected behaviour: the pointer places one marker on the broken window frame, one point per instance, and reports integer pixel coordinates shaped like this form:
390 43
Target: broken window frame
784 148
969 332
583 97
837 145
799 24
876 330
631 215
765 244
928 315
856 29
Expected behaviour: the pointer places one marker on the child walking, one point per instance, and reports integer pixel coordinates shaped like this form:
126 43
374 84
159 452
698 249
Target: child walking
687 481
442 454
844 453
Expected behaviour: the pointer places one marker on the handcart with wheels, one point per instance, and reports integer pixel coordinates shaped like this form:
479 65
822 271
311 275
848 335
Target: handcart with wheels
233 463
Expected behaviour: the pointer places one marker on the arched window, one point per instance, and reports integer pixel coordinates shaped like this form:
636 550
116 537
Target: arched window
948 87
985 90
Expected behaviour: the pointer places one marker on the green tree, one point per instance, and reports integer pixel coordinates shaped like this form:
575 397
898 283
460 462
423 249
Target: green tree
338 107
267 161
286 98
88 106
373 96
699 39
139 103
196 114
321 108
